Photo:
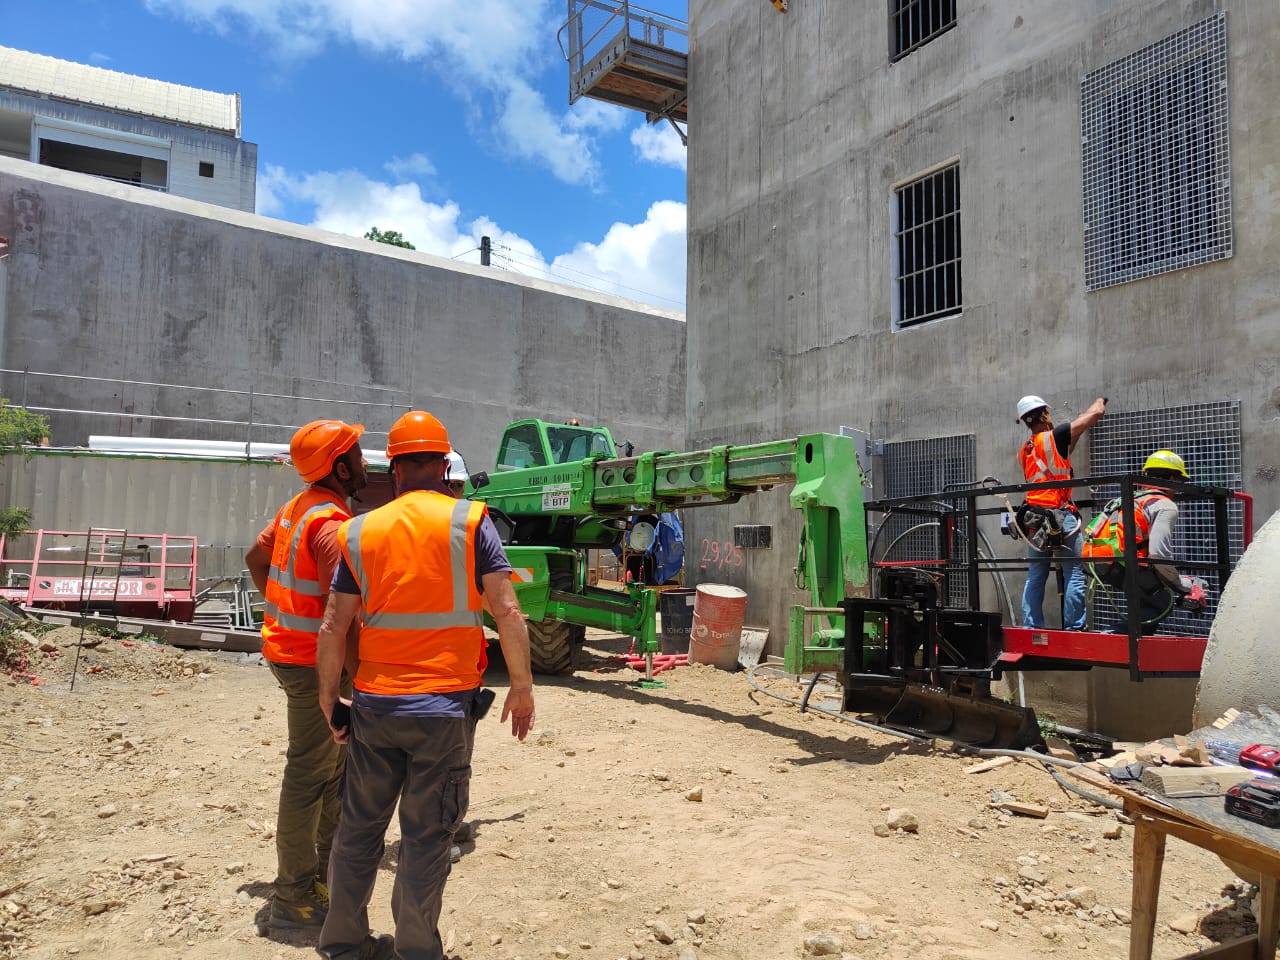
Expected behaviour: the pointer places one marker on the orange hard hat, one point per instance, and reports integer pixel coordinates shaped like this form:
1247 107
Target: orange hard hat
317 444
417 432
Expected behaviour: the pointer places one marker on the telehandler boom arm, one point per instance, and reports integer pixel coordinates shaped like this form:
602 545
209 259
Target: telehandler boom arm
551 511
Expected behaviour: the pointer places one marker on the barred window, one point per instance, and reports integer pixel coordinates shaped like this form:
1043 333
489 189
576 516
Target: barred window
926 251
1155 132
913 23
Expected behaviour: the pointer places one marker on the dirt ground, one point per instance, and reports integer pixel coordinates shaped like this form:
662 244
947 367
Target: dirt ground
700 820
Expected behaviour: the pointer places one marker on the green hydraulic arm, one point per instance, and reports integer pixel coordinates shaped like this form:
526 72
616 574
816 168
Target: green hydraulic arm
549 513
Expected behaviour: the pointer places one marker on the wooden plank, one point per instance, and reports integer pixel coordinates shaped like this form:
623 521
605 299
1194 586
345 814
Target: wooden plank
1023 809
991 764
1148 862
1245 948
1226 845
1268 915
1187 781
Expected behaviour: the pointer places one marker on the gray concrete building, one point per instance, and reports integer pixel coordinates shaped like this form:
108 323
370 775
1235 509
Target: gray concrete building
130 312
903 217
149 133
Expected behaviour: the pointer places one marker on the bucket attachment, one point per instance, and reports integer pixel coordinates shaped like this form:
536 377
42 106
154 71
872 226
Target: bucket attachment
964 715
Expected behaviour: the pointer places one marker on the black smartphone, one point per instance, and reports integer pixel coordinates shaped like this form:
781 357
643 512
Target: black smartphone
341 716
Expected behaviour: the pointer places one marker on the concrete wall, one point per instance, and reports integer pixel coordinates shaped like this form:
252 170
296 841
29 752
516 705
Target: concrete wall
801 127
235 161
112 282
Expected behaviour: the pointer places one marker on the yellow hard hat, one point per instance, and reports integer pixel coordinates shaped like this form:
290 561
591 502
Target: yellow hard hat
1166 460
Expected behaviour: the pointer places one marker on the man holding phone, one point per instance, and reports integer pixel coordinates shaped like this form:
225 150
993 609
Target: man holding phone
292 564
420 570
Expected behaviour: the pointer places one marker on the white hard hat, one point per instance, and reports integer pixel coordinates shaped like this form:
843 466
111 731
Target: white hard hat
456 469
1029 403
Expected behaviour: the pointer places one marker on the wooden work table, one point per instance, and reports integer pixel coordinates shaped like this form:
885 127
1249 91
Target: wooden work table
1201 821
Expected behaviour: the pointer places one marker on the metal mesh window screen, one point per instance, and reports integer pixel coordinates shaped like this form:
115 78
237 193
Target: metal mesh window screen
1155 132
913 23
927 247
1207 437
914 468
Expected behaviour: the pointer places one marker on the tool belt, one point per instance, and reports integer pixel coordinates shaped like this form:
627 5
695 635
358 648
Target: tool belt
1042 526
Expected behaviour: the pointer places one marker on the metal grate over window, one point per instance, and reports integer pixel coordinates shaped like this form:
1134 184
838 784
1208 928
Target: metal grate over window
1155 132
913 23
927 248
1207 437
914 468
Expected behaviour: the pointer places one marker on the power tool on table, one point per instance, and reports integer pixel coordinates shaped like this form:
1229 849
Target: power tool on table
1255 756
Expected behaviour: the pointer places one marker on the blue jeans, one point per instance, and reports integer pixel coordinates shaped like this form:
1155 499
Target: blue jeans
1073 572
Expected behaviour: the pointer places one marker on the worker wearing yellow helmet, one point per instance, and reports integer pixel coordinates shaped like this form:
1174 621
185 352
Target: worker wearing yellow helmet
1154 517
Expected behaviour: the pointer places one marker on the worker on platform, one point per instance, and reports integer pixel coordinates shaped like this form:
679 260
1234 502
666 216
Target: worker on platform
416 569
1154 515
291 564
1049 520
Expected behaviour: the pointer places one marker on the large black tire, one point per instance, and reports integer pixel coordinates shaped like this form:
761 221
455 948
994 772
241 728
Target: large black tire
551 646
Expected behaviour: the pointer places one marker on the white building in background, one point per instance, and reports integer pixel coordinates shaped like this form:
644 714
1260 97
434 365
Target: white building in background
156 135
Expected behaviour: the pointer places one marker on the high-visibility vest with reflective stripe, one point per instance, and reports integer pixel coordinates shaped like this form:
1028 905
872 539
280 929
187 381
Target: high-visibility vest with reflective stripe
1041 463
414 561
295 596
1104 537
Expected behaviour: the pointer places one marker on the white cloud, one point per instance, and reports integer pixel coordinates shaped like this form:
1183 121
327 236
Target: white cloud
588 114
96 57
659 143
407 168
496 47
642 261
346 201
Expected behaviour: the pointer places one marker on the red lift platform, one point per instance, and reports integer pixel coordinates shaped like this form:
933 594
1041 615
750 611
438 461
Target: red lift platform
952 557
146 575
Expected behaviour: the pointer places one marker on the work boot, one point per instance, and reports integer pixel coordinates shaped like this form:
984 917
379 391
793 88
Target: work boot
308 912
381 947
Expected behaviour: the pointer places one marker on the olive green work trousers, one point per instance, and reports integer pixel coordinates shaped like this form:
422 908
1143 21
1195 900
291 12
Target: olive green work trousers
310 788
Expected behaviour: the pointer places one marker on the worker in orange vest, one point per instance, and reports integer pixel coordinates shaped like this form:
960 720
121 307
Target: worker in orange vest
1160 586
1046 456
291 564
418 569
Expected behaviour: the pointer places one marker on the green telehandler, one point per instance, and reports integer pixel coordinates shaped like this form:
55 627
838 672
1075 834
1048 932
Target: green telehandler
561 489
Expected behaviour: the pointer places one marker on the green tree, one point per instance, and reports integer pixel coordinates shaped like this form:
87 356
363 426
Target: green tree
19 425
393 237
14 520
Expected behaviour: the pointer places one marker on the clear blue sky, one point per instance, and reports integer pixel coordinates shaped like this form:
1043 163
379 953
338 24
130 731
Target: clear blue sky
443 119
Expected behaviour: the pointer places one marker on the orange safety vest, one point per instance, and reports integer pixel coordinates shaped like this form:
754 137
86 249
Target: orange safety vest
1104 537
414 560
295 596
1041 463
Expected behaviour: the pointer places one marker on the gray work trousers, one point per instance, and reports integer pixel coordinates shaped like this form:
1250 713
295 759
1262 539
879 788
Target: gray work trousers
425 763
308 811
